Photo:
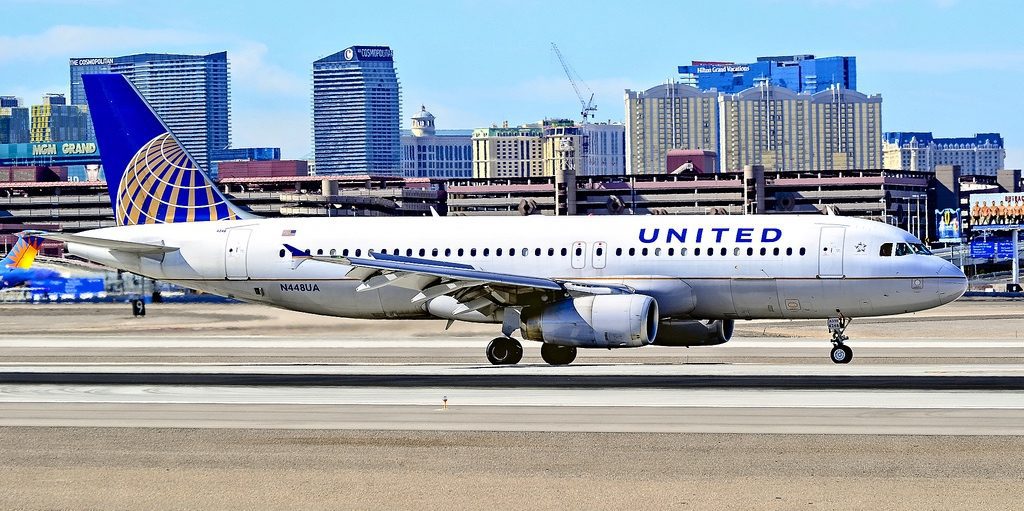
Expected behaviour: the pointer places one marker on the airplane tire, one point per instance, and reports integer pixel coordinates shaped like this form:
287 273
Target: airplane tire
842 354
504 351
557 355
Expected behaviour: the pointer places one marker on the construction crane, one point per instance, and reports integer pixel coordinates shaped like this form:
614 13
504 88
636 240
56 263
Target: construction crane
587 107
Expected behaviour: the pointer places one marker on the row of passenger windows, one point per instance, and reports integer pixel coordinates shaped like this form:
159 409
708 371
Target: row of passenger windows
578 252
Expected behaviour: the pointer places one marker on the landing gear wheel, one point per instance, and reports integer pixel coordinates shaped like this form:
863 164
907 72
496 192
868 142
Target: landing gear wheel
841 354
557 355
504 351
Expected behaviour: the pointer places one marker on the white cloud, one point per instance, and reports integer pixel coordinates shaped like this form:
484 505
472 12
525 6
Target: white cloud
66 41
249 68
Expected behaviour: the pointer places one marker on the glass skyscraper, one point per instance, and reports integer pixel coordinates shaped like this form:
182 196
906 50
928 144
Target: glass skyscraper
798 73
356 104
189 92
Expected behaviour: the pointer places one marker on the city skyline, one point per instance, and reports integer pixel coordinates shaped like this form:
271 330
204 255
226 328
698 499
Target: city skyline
943 66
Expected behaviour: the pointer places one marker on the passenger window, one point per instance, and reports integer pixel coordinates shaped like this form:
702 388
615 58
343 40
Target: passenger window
423 252
643 251
344 253
433 253
359 252
487 252
775 251
281 253
447 252
682 252
724 251
764 251
802 251
472 252
511 252
671 252
408 252
750 251
579 251
696 251
497 252
736 251
711 252
564 252
551 252
657 251
886 250
461 252
334 252
789 251
618 251
319 251
599 251
632 252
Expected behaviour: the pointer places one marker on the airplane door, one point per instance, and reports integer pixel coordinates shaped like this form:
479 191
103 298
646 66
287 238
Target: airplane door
830 252
235 250
579 255
600 254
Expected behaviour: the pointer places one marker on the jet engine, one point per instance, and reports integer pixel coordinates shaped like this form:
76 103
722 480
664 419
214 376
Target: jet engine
600 321
674 332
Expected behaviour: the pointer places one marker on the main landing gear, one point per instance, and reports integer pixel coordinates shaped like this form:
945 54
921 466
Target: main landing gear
557 355
504 351
841 353
508 351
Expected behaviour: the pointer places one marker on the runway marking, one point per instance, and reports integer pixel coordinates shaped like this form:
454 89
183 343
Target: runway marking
520 397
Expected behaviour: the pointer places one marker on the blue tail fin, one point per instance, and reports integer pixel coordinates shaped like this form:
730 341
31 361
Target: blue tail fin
150 177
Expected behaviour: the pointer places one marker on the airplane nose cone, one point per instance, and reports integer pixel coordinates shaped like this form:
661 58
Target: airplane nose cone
952 282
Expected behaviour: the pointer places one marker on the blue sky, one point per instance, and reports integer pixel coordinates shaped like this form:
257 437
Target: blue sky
954 67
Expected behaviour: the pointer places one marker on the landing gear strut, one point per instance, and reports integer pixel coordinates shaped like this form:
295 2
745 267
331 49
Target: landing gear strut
841 353
504 351
557 355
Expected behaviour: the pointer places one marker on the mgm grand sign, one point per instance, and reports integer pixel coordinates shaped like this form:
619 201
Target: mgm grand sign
64 149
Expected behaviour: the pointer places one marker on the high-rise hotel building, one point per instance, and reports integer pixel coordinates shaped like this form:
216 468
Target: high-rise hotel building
836 129
189 92
356 108
508 152
669 116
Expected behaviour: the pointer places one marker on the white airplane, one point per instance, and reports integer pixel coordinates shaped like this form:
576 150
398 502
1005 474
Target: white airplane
568 282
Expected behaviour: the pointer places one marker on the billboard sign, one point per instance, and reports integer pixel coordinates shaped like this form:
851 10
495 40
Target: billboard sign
997 211
947 225
992 248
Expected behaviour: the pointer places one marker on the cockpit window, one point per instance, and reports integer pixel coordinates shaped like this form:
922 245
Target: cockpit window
903 249
886 250
920 248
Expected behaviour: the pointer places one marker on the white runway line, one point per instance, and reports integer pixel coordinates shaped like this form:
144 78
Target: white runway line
432 396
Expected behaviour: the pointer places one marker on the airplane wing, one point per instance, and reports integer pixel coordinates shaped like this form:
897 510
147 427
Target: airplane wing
131 247
475 289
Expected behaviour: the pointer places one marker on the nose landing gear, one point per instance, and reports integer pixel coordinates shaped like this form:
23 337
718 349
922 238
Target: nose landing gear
841 353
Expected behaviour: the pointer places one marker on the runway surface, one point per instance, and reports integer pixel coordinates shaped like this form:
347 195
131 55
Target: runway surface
244 407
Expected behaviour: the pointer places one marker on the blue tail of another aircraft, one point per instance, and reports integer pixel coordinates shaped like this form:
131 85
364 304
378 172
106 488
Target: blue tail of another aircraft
151 178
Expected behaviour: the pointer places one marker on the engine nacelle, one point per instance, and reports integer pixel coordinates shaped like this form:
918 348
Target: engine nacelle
675 332
601 321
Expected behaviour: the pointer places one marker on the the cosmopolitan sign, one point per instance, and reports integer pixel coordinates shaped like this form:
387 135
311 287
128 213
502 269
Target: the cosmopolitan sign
368 53
92 62
997 211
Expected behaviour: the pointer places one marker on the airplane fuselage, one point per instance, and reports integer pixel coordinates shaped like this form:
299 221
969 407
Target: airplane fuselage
706 267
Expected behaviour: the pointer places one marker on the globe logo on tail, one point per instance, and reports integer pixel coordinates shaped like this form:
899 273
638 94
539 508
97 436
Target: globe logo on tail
162 184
